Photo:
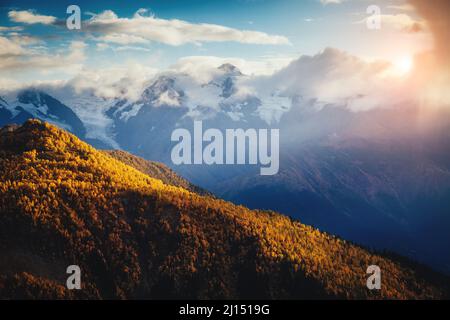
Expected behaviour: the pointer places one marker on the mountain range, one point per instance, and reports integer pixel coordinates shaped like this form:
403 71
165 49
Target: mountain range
379 177
62 202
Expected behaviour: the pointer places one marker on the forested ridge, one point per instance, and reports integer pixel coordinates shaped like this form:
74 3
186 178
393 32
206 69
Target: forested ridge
155 170
62 202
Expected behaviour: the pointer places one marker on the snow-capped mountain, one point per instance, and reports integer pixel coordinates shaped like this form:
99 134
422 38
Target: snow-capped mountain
337 168
174 100
163 92
340 170
91 110
5 113
37 104
227 95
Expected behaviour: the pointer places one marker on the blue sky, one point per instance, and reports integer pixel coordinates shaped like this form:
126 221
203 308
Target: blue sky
288 29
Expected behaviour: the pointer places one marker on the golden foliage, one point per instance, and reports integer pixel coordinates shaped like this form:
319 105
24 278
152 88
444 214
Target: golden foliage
134 236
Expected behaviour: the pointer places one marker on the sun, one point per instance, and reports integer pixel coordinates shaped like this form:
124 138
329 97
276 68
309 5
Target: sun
404 65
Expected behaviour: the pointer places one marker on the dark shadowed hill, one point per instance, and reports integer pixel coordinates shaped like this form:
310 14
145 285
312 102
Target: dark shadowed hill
62 202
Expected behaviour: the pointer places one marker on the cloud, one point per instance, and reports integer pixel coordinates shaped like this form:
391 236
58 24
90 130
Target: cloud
9 48
102 46
400 22
401 7
203 68
17 57
91 85
8 29
325 2
139 28
131 48
120 38
24 40
329 78
121 81
334 77
30 17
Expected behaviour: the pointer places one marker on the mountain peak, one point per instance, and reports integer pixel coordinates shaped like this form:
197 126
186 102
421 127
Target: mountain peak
34 103
230 69
35 134
2 100
163 91
32 96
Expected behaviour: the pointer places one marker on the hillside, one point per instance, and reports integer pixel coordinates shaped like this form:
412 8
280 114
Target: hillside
62 202
155 170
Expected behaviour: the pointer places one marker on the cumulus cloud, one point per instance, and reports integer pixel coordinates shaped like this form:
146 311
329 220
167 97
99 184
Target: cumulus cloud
401 7
400 22
139 28
23 40
9 48
30 17
334 77
17 57
329 78
125 81
204 68
91 92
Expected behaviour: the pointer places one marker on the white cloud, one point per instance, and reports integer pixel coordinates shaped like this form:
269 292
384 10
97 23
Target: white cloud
330 78
102 46
325 2
401 7
174 32
23 40
399 22
121 81
9 48
402 22
7 29
30 17
121 38
131 48
333 77
17 57
91 92
204 68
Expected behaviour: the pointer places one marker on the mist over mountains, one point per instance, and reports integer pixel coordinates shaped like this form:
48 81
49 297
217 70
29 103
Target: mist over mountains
373 168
